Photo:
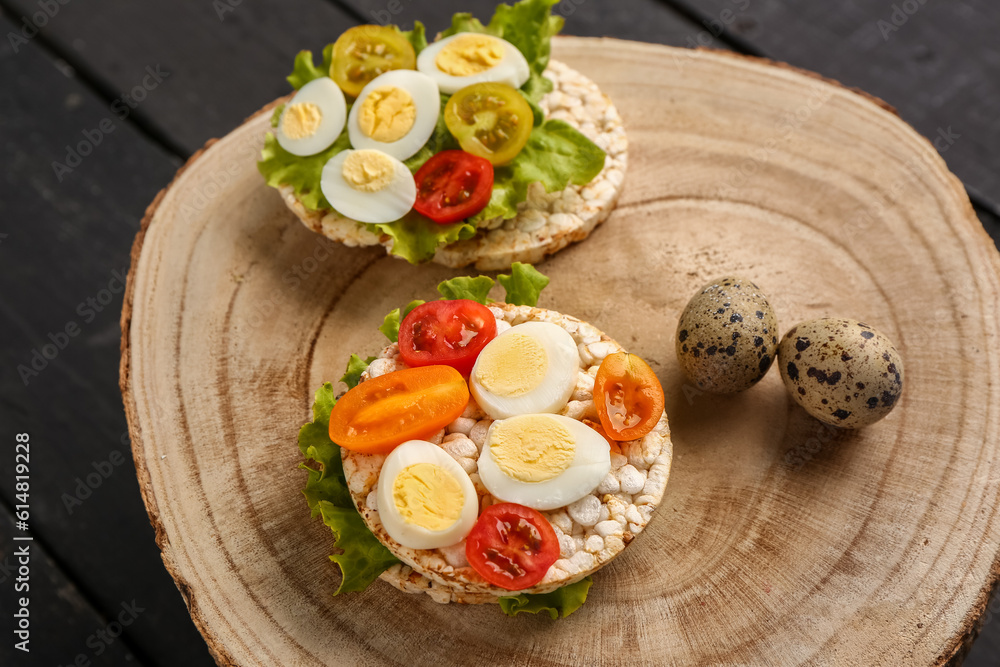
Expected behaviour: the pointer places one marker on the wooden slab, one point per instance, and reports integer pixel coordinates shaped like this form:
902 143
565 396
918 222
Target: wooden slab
779 542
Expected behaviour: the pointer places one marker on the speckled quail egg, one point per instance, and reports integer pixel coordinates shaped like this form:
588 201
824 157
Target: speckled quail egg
843 372
727 336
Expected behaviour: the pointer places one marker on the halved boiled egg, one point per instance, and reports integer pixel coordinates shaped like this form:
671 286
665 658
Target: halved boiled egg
471 57
425 499
368 186
531 367
543 461
395 113
314 118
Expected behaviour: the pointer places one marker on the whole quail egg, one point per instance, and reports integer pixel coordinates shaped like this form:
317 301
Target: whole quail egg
843 372
727 336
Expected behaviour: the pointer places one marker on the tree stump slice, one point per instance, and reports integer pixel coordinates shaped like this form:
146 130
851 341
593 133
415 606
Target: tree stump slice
780 541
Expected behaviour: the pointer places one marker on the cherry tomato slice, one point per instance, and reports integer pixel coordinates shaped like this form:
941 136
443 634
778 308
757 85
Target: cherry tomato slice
628 396
491 120
411 404
512 546
453 185
613 444
365 51
452 333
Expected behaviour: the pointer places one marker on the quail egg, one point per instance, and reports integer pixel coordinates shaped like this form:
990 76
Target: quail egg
843 372
727 336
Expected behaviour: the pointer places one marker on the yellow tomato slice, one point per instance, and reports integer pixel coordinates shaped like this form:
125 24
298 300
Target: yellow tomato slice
491 120
628 396
365 51
411 404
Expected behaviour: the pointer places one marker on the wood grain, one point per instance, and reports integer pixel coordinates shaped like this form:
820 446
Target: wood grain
779 541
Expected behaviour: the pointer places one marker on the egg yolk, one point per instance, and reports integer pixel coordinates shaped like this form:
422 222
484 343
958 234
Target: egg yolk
532 449
301 120
469 54
368 170
428 496
512 365
387 114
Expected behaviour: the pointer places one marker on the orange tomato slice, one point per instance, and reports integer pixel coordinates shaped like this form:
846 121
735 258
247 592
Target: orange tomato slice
388 410
628 396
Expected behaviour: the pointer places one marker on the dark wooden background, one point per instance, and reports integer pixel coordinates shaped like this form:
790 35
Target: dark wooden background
193 70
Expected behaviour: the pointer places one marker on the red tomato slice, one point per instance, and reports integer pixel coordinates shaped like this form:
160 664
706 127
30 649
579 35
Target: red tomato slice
386 411
628 397
452 333
453 185
512 546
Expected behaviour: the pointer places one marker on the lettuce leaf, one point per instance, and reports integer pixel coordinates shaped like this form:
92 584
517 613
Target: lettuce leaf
465 287
560 602
417 37
528 25
303 70
362 557
279 167
556 155
355 367
416 238
523 285
390 325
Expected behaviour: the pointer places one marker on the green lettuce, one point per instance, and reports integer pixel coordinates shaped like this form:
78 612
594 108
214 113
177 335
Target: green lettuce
362 557
279 167
416 238
528 25
390 325
555 156
560 602
523 285
466 287
355 367
303 70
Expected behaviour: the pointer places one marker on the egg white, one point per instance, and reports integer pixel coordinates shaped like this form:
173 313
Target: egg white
512 69
552 394
387 205
427 100
326 95
411 535
591 464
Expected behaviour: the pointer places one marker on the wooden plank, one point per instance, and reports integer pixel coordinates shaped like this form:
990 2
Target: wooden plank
64 247
937 63
224 59
643 20
61 623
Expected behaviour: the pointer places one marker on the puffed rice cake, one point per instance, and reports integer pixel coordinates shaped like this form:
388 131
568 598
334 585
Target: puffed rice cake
548 221
592 531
